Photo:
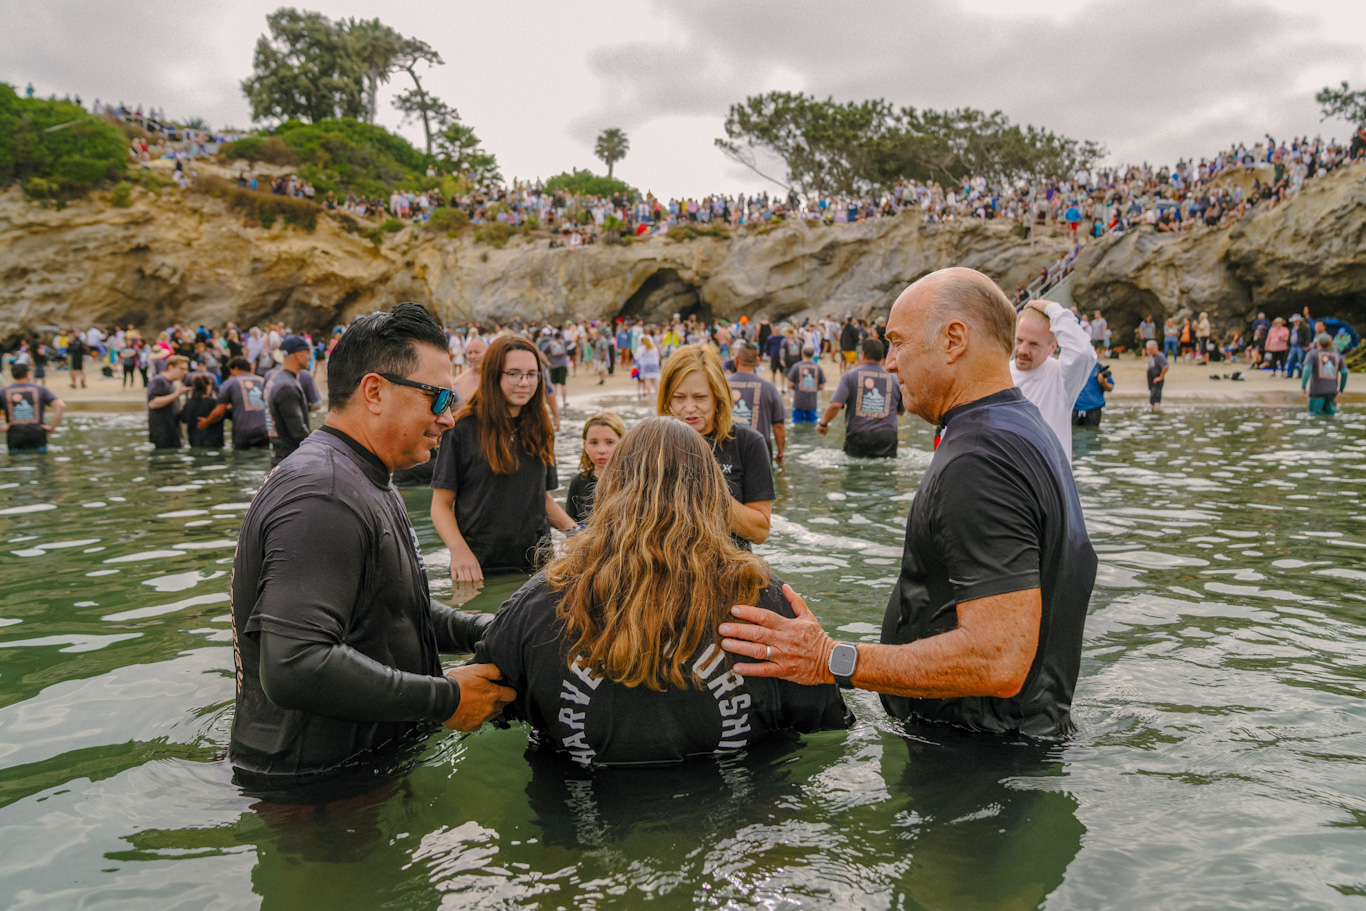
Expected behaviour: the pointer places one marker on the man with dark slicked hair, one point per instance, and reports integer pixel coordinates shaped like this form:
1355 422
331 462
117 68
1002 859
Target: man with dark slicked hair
337 639
984 627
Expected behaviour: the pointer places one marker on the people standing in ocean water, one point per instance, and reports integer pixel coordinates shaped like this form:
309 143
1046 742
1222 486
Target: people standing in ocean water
1052 384
337 638
984 627
242 399
693 389
163 404
601 433
199 405
873 400
287 405
490 489
613 648
23 412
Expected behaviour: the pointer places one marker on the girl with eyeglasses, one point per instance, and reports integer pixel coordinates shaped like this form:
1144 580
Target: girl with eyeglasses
490 499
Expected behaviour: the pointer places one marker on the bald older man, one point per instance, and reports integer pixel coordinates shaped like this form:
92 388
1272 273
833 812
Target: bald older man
1052 385
984 628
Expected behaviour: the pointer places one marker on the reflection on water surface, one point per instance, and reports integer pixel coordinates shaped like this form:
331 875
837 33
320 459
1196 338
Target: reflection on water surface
1221 760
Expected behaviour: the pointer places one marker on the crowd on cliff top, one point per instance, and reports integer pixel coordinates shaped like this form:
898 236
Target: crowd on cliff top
1111 200
1187 196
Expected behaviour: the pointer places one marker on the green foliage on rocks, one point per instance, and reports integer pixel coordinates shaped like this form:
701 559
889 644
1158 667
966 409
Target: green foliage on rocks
56 150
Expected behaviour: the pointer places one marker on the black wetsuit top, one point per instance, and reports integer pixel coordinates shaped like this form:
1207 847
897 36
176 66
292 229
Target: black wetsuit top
997 512
210 437
286 414
501 516
599 722
337 637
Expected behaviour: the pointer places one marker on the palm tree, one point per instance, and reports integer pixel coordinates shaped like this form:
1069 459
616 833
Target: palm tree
376 47
611 147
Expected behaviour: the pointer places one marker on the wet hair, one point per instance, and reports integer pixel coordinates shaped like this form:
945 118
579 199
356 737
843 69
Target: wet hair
201 386
872 350
808 351
488 408
698 359
18 371
646 585
240 363
746 354
381 342
609 419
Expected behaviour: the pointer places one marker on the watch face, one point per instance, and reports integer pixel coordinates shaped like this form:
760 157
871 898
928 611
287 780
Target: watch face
843 660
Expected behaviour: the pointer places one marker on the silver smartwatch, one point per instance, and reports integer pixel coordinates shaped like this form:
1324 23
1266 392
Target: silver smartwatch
843 662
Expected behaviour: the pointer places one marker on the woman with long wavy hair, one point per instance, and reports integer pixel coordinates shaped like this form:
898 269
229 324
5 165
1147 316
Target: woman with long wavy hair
614 651
693 389
490 499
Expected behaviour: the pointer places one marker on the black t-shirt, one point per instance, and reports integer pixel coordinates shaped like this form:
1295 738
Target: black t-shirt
327 554
163 428
75 353
501 516
599 722
997 512
210 437
579 502
744 461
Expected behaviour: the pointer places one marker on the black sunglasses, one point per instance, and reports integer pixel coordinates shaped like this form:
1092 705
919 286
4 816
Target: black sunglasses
442 399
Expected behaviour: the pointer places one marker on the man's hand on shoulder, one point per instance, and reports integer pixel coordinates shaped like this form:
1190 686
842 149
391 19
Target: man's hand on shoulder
482 697
796 649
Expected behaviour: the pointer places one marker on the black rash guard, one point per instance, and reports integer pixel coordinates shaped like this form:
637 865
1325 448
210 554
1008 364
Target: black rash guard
286 414
336 635
598 722
997 512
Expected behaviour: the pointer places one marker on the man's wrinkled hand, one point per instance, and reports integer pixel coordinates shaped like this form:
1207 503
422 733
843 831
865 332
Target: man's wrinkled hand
482 696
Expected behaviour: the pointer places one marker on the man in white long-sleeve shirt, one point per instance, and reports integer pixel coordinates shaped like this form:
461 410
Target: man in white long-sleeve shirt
1052 385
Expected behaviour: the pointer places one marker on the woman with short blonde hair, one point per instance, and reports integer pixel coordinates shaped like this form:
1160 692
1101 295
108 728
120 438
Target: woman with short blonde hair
614 650
693 388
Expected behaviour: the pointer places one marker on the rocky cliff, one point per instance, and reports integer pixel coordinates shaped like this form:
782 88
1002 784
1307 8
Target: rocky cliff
187 258
1309 251
184 257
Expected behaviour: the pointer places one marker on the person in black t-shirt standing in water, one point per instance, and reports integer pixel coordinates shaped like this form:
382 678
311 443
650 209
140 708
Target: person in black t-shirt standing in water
984 627
693 389
601 433
490 488
163 403
337 641
613 649
286 401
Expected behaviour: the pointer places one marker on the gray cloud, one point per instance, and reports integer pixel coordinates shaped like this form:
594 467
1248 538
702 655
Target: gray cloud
1152 80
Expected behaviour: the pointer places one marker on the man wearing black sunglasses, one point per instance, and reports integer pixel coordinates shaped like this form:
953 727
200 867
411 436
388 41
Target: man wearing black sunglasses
338 640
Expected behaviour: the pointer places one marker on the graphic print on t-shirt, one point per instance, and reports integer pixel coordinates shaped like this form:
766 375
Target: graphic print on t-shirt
807 381
871 399
742 411
576 695
23 407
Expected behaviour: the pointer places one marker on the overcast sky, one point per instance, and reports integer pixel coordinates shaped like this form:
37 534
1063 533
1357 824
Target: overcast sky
1152 80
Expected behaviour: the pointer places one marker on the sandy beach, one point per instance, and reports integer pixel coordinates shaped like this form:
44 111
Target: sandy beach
1187 384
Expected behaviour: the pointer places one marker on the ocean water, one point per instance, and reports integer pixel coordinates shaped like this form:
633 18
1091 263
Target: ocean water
1220 760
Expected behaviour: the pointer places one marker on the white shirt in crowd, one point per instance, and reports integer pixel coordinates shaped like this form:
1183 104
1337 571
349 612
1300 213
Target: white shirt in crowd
1054 385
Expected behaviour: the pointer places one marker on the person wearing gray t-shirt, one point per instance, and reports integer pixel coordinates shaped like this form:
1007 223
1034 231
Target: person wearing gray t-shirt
873 398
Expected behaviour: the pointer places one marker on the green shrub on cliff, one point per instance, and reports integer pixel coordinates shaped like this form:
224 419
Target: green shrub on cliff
122 195
81 153
350 156
448 219
259 148
581 182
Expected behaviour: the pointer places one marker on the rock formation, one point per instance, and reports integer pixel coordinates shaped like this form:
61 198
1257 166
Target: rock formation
1308 251
184 257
